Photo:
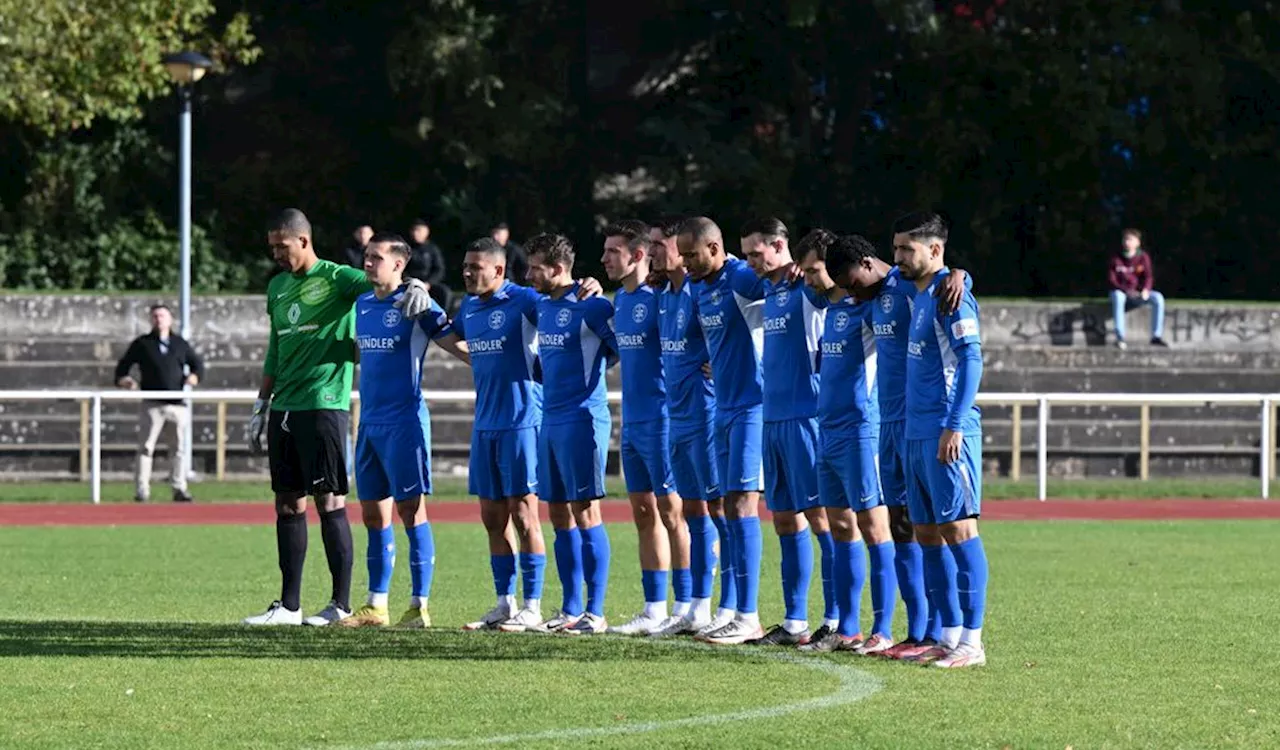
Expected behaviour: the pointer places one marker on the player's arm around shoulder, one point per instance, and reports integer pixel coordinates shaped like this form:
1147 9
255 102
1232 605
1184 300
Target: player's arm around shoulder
444 332
350 282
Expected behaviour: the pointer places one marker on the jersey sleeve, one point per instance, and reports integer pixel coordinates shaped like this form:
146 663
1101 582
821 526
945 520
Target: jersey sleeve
436 322
962 325
529 304
456 326
819 301
744 282
599 318
351 282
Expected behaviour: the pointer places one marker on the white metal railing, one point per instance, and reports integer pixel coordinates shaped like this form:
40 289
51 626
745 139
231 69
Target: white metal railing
91 420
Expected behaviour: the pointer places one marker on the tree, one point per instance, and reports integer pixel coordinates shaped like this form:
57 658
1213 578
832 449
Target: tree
66 63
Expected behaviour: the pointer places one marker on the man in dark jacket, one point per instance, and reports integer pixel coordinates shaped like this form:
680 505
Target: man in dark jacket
517 260
1132 280
427 263
354 255
167 363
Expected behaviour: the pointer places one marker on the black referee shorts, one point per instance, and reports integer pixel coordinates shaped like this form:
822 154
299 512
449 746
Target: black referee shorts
308 451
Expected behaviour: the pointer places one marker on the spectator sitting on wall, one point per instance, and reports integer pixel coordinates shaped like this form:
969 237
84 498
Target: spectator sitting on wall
166 362
517 260
354 255
1132 278
427 263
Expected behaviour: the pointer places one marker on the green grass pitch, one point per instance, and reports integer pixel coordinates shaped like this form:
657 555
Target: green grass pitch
1100 635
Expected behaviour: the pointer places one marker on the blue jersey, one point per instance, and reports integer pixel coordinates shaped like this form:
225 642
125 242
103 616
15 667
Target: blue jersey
644 393
684 351
392 349
848 404
942 379
891 321
793 315
730 305
502 336
575 340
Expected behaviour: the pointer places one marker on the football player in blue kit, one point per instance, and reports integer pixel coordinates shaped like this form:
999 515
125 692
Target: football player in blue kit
692 409
393 442
656 506
575 344
792 322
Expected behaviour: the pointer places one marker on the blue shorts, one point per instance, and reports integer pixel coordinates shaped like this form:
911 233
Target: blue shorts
504 463
571 460
646 457
848 473
393 460
893 463
738 460
790 465
693 454
940 493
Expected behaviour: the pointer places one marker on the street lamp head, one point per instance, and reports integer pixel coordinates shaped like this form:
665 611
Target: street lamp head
187 67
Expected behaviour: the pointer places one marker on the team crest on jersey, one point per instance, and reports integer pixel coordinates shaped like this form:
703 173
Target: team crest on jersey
314 291
295 312
391 318
886 303
639 313
842 320
563 318
680 319
920 317
496 319
715 297
783 295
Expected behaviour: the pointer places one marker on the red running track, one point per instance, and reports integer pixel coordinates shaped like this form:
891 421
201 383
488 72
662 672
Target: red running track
453 512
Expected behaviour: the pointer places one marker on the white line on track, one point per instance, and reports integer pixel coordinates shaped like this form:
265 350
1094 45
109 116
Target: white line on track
855 685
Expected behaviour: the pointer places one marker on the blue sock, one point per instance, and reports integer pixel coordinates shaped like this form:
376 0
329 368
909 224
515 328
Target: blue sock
381 556
728 559
909 564
422 559
702 556
940 578
797 569
532 569
850 574
682 585
504 574
568 548
595 567
830 609
654 584
883 584
747 550
971 580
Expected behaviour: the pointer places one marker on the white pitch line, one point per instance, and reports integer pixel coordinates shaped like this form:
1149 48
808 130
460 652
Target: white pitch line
855 685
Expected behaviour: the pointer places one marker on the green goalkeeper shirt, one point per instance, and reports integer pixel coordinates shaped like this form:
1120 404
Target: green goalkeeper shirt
311 352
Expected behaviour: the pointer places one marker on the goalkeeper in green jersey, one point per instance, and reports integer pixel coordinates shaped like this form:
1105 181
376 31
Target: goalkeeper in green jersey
304 407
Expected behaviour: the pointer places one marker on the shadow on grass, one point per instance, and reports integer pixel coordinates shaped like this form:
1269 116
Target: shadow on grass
19 638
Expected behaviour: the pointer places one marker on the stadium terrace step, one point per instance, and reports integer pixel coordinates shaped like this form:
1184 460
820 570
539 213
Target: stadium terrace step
1217 327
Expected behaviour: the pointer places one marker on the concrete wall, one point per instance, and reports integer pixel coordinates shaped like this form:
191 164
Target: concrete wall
74 341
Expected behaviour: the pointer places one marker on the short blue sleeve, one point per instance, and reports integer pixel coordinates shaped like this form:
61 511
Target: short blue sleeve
436 322
962 326
745 282
598 316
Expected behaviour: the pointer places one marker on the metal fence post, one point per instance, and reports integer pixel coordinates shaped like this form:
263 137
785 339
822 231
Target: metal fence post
1042 450
1266 452
95 473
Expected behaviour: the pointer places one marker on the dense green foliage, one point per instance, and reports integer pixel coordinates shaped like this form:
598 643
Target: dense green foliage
1039 127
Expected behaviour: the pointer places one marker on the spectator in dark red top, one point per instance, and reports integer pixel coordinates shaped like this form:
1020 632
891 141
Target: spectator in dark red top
1131 278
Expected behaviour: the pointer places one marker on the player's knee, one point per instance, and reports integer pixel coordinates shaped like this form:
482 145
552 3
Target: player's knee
586 513
843 527
958 532
694 508
874 525
644 509
561 516
329 502
928 535
818 520
671 510
291 504
786 523
412 512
